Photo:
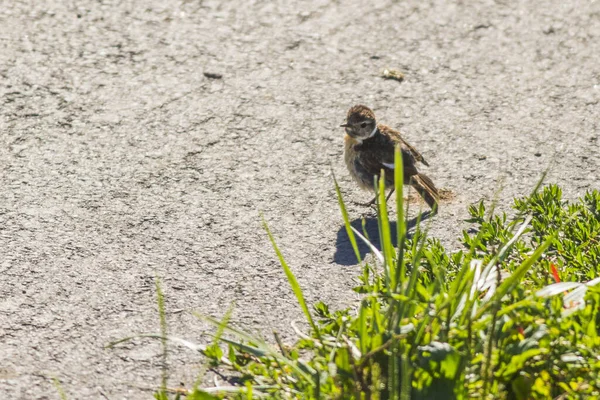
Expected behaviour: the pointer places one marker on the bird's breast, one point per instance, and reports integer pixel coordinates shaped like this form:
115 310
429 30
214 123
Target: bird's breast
358 173
349 151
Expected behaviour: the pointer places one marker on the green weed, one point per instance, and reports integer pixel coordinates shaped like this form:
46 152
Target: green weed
513 315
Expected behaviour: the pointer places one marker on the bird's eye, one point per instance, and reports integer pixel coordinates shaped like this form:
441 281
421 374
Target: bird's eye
363 125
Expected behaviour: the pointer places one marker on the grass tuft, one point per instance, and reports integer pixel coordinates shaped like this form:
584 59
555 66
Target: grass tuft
514 314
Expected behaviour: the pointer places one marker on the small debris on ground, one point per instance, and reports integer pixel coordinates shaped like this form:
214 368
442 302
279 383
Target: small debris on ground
213 75
389 73
446 194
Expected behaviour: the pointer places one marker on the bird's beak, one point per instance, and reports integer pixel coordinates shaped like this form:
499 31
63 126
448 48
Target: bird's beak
344 125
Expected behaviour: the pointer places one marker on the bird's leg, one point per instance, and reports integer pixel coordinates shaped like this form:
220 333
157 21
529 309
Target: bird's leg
372 202
389 195
369 204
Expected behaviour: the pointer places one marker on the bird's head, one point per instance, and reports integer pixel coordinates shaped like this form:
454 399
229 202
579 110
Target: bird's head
360 123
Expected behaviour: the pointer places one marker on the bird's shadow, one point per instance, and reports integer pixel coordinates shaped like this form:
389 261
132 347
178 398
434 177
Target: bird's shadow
344 253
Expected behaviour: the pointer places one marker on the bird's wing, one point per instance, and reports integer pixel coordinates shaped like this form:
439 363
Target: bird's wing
380 155
374 162
396 136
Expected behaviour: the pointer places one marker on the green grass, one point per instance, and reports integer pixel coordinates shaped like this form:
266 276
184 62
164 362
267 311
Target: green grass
513 315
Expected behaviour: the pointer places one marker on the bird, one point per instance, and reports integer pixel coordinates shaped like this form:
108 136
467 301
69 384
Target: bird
369 148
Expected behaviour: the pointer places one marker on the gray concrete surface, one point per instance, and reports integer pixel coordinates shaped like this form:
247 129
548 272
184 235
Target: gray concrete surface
121 161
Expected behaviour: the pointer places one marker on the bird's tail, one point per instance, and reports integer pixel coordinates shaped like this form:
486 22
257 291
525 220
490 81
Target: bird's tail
425 187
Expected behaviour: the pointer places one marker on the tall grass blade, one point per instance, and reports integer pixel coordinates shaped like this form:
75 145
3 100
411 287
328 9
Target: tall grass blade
394 372
293 282
363 333
346 220
543 177
386 235
405 377
221 326
374 249
400 222
160 300
417 249
59 389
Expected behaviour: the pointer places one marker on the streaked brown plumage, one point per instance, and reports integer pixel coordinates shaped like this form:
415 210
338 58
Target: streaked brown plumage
369 148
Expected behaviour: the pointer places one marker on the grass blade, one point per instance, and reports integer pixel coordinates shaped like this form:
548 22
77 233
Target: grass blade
363 333
509 283
346 220
259 348
400 222
374 249
160 300
293 282
59 389
386 236
173 339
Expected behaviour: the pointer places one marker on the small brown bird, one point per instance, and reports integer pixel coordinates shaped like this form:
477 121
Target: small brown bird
369 148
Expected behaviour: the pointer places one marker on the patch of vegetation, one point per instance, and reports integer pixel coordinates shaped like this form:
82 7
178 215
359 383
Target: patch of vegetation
514 315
